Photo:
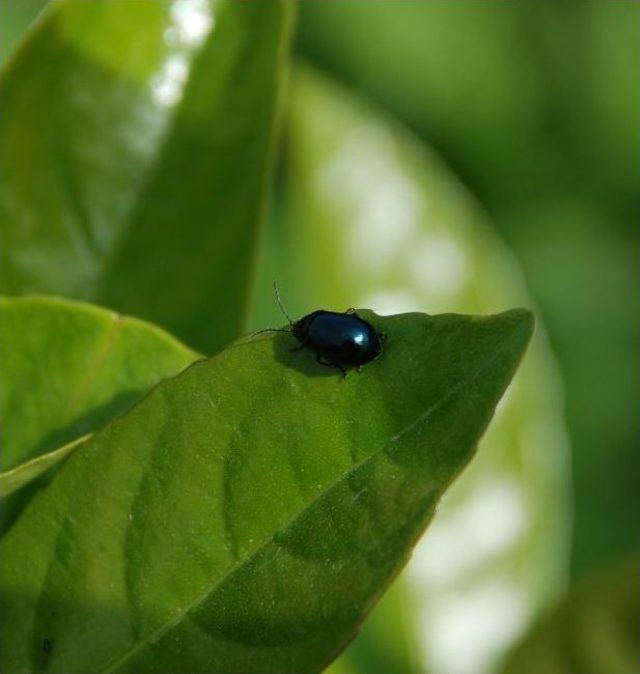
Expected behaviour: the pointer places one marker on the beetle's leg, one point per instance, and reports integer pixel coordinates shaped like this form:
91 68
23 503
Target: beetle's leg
351 310
330 363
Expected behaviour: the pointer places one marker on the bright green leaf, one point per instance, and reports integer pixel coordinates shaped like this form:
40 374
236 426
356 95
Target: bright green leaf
244 517
375 218
137 141
13 479
67 369
594 631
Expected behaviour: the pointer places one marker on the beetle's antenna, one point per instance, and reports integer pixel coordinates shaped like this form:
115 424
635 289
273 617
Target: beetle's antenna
259 332
278 300
282 309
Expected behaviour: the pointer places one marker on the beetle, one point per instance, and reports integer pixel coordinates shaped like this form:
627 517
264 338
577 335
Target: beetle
338 340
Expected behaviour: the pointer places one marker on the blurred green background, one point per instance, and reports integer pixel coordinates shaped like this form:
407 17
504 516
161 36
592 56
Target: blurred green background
501 141
535 105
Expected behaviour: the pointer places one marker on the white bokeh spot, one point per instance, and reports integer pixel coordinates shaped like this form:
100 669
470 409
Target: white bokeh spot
389 302
463 632
439 266
191 22
385 208
492 520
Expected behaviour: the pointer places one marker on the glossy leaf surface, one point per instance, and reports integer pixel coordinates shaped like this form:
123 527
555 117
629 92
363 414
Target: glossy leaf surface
375 218
136 150
246 514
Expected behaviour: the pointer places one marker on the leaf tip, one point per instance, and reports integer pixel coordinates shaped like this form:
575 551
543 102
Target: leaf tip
522 324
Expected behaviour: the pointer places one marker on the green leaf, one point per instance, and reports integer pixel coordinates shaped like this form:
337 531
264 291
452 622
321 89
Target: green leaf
15 18
594 630
560 247
68 368
247 513
430 60
432 57
137 141
373 217
15 478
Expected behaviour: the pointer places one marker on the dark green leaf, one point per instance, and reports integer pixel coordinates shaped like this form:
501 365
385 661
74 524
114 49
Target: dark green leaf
430 63
594 631
521 64
246 514
137 142
389 640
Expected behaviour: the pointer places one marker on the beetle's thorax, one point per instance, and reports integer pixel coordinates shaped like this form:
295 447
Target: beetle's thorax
301 328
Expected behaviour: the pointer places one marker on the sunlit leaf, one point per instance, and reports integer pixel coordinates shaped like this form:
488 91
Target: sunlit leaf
68 368
137 141
243 517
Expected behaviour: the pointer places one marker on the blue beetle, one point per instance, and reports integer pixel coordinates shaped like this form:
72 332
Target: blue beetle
338 340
